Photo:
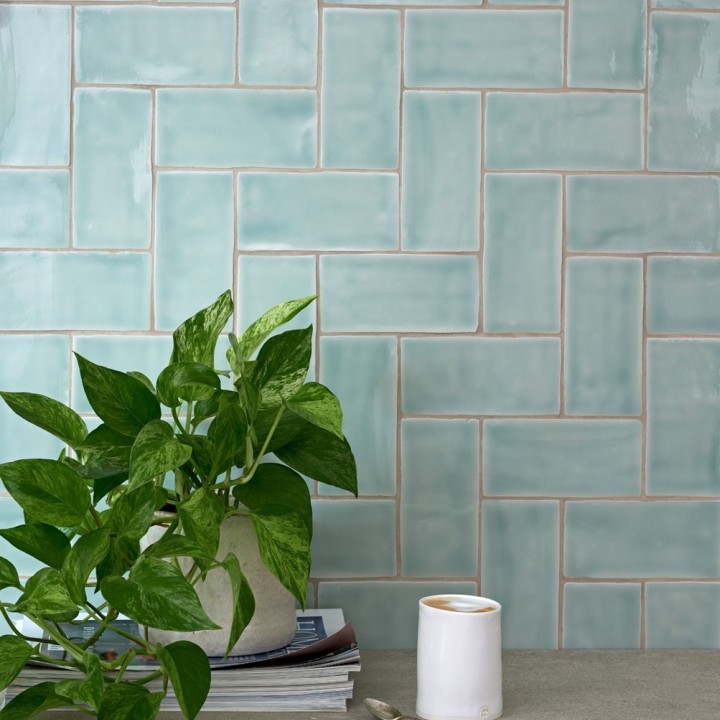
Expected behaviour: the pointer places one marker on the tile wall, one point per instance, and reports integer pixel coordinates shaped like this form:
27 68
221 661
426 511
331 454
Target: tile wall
511 212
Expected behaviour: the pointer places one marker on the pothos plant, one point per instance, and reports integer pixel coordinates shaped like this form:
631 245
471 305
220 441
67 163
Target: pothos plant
86 512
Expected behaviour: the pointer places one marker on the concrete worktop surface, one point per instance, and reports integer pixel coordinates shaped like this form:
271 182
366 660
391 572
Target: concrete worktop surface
546 685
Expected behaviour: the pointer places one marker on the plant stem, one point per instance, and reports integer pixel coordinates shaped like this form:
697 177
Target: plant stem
129 655
148 678
119 631
96 516
188 418
98 633
59 637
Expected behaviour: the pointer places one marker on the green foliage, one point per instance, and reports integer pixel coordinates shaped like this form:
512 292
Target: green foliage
86 512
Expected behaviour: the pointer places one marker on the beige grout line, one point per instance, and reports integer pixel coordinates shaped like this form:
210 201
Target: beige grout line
561 573
401 125
566 45
71 139
481 228
153 204
237 4
646 92
236 255
481 499
643 385
643 615
398 458
563 288
319 83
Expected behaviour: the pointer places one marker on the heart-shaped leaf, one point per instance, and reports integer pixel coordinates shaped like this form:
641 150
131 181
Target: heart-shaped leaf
48 414
186 381
228 432
155 451
156 594
120 558
243 600
8 575
46 596
133 512
33 701
188 668
105 453
128 701
87 553
171 545
316 404
43 542
201 516
14 653
90 689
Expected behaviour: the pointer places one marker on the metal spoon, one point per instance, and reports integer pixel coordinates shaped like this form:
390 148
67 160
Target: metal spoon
383 711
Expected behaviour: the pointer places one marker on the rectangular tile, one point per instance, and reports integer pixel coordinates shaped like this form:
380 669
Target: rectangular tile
607 44
194 238
456 48
447 449
603 336
362 372
353 538
441 171
562 457
199 127
525 2
564 131
682 615
636 213
386 293
483 376
278 42
40 364
111 209
73 283
163 46
683 294
35 73
683 416
319 211
684 96
408 2
361 88
520 569
523 253
642 539
686 4
34 207
384 614
601 615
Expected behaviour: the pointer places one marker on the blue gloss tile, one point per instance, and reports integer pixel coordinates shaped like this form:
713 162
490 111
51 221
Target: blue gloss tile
278 42
361 88
683 294
564 131
601 616
417 293
606 539
40 364
34 207
456 48
686 4
520 569
35 73
199 127
432 449
319 211
111 208
603 349
525 2
523 253
636 213
441 171
484 376
384 615
562 457
84 291
684 92
683 616
607 44
194 239
410 2
10 516
353 538
683 452
362 372
164 46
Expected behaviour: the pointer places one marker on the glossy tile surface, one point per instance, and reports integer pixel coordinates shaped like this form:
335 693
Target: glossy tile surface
683 4
554 131
684 92
601 615
683 455
607 43
362 372
603 349
433 449
168 46
562 457
353 538
519 569
34 207
112 209
523 249
641 539
419 293
406 2
441 169
200 127
525 2
488 376
319 211
34 73
360 88
634 213
194 239
455 48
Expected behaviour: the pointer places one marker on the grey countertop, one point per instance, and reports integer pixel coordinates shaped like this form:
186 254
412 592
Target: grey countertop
547 685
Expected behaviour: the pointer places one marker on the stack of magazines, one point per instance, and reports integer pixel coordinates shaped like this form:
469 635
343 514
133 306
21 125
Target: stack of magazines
313 673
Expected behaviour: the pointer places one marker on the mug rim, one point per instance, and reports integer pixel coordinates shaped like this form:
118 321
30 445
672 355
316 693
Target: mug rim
458 596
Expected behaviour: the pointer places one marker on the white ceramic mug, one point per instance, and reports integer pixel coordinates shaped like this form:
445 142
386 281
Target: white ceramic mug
459 664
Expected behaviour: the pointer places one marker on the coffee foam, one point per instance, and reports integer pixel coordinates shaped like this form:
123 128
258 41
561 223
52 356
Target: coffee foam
458 604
